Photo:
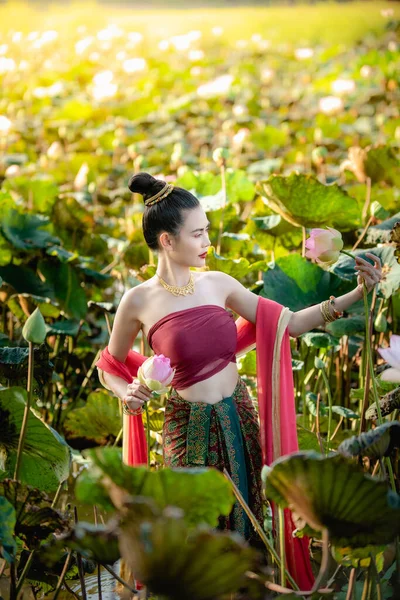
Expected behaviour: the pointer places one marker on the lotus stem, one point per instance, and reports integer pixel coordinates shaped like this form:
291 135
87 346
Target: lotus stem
120 580
62 576
281 519
317 431
119 436
259 529
79 562
22 435
350 587
324 568
221 221
88 376
147 433
372 375
379 595
25 572
328 391
100 593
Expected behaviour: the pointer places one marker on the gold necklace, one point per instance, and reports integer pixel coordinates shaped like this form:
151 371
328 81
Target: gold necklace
177 290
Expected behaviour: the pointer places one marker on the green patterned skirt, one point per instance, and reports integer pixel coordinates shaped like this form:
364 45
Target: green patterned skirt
221 435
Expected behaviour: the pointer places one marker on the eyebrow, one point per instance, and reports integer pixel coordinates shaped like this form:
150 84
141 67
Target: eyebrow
201 228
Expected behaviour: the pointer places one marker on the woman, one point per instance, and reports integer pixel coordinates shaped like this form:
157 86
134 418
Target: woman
209 416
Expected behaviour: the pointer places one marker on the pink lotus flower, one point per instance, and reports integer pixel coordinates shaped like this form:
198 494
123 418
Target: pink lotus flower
324 245
392 357
156 373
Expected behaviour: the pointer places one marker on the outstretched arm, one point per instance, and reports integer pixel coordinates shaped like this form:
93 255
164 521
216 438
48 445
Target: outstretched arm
311 317
244 302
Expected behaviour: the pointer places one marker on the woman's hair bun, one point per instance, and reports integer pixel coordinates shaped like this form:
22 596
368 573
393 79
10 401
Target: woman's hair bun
145 184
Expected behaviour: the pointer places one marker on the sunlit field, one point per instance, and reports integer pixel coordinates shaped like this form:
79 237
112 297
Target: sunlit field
281 120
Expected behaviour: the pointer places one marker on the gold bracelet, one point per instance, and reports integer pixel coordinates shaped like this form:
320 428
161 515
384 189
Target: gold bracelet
326 313
336 313
134 412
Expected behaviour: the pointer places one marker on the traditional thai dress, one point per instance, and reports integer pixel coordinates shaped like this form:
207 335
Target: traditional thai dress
200 342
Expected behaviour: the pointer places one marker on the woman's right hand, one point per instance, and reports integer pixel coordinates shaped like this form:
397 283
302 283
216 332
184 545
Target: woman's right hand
136 395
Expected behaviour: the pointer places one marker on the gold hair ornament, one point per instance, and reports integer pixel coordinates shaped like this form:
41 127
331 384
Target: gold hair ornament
163 193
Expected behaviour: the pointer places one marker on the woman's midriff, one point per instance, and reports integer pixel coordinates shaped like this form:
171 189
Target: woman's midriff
215 388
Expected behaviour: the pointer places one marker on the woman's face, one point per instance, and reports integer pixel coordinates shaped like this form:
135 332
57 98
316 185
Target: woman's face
189 248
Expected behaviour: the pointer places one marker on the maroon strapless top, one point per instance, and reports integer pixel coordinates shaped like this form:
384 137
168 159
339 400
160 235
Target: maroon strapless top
199 341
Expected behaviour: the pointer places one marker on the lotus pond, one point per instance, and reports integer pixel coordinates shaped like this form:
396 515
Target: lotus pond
280 120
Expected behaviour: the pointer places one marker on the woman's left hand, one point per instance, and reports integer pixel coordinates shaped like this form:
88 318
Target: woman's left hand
370 274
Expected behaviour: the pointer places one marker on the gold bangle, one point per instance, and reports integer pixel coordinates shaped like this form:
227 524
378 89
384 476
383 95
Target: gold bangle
134 412
326 313
336 313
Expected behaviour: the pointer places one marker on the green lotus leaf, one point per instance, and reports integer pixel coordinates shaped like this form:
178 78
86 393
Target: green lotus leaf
382 164
66 327
46 457
176 562
24 280
318 339
210 489
8 546
14 365
248 364
375 443
359 557
62 254
25 231
297 283
304 201
347 326
307 439
311 403
99 420
236 267
330 493
6 251
35 518
64 281
347 413
156 420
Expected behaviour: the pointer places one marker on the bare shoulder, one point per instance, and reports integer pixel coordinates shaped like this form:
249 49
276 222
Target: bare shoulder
137 297
223 280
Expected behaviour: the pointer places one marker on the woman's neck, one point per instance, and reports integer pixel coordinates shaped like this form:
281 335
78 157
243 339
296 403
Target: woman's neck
173 273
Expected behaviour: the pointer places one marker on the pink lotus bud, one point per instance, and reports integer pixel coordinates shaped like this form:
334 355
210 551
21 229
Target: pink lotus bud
324 245
156 373
392 357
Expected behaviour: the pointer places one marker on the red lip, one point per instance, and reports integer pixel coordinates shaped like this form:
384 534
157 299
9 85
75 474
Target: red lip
203 255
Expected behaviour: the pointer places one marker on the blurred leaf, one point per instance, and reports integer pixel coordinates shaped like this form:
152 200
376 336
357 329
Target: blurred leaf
166 486
382 164
25 232
35 518
297 283
8 547
375 443
164 554
66 287
347 326
24 280
99 420
304 201
329 492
